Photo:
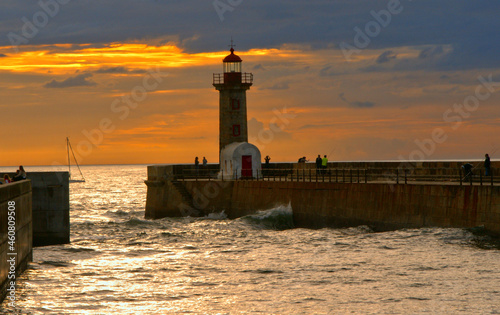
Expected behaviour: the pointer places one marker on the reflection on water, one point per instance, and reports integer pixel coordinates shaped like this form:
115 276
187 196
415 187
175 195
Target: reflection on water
120 263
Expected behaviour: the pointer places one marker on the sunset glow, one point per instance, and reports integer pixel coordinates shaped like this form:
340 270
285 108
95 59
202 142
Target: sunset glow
150 99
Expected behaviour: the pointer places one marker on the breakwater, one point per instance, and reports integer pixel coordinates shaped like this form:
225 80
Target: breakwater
50 210
432 196
16 235
33 212
51 223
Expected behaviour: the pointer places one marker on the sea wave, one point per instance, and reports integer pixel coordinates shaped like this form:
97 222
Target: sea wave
216 216
78 249
277 218
136 221
119 213
357 230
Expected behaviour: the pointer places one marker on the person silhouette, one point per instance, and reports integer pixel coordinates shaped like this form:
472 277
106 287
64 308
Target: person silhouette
487 165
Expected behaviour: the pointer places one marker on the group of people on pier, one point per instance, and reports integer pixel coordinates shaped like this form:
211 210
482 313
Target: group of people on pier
197 162
468 168
20 175
321 164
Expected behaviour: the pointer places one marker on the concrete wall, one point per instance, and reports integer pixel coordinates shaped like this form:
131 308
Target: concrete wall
17 195
50 208
383 206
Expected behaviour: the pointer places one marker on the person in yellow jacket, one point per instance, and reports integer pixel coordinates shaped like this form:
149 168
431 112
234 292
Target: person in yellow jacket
324 164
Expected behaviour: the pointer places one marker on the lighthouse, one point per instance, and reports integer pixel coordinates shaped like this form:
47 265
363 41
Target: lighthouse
232 86
238 158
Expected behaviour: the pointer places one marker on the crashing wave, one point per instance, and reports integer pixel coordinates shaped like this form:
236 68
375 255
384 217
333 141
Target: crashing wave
277 218
216 216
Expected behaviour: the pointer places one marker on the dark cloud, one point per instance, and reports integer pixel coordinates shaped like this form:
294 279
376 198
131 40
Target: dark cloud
329 71
258 67
325 71
3 55
469 27
341 96
78 80
311 126
356 104
431 52
118 69
430 58
386 56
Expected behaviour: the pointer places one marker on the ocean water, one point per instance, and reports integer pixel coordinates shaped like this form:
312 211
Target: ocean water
120 263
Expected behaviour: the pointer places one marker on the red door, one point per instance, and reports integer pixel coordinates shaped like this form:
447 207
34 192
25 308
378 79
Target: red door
246 166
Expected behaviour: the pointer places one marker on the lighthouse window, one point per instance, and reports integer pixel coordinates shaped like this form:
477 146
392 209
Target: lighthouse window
236 130
232 67
235 103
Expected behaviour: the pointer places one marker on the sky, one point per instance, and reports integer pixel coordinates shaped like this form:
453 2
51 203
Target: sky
130 82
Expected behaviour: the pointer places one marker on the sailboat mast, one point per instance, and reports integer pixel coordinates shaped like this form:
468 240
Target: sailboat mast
74 157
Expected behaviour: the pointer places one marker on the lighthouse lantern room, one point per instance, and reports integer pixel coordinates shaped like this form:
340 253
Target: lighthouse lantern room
232 63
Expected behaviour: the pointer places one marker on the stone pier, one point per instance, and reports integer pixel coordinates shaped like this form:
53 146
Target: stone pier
381 205
50 208
15 234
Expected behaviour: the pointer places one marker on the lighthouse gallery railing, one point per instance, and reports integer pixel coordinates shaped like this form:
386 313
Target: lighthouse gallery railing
246 78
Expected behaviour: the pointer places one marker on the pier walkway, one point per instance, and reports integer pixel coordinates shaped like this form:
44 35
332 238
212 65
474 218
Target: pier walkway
372 176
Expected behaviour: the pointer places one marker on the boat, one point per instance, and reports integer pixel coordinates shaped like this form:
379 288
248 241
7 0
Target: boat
69 148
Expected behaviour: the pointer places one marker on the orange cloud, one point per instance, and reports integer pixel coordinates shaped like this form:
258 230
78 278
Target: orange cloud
61 58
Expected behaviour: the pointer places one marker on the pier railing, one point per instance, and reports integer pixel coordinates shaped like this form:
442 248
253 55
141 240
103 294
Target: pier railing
347 175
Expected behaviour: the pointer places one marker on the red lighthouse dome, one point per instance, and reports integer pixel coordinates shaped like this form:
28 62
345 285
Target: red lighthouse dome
232 57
